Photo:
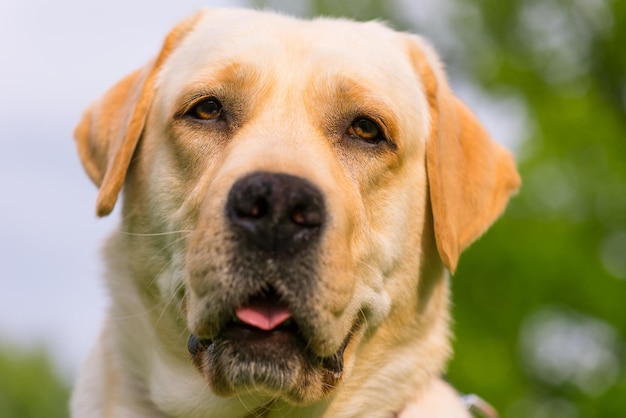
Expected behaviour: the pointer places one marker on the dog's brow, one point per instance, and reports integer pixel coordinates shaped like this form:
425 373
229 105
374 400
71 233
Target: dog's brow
351 98
231 78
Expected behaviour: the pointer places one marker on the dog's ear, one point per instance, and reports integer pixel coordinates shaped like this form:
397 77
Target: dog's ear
470 177
110 128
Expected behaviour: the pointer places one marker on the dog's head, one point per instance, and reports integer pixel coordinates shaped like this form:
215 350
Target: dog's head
296 188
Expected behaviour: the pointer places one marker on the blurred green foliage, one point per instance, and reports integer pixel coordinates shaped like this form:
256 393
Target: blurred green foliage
561 246
29 386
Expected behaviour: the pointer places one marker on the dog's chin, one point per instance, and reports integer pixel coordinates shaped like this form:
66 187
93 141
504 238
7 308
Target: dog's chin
277 363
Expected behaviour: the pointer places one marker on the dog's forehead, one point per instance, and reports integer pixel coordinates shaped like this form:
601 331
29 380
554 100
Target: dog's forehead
270 42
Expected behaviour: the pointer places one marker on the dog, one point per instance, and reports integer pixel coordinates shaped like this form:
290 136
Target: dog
296 194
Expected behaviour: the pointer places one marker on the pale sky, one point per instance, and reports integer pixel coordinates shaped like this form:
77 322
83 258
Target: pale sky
56 57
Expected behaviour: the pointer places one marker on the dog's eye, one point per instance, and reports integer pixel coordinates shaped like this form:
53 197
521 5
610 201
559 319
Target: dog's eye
367 130
207 109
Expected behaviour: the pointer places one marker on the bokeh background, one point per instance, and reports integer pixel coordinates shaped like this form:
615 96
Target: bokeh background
539 301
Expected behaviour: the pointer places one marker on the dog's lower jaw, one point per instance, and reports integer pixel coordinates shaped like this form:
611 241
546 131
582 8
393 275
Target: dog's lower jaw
394 373
276 363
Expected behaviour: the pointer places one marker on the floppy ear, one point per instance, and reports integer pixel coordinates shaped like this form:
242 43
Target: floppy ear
110 128
470 177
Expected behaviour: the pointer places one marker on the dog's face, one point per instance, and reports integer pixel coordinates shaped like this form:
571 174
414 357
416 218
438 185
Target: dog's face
289 173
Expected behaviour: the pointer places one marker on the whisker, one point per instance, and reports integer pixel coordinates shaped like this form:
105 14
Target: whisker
137 315
168 303
155 234
369 266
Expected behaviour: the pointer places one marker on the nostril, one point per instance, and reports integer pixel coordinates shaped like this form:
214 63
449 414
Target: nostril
306 217
259 209
255 209
297 216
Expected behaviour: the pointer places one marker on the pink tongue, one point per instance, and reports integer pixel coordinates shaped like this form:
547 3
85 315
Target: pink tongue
263 317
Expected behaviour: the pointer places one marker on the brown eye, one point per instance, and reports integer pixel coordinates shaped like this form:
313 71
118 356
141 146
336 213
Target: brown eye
367 130
207 109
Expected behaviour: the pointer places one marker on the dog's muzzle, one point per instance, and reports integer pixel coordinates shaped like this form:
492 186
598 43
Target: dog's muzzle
264 329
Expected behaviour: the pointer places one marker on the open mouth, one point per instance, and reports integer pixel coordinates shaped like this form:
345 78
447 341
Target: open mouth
263 345
262 321
263 317
265 312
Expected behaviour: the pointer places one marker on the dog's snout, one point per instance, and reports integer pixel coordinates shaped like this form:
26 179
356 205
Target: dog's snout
276 212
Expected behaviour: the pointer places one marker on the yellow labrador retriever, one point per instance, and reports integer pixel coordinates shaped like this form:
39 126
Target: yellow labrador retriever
295 194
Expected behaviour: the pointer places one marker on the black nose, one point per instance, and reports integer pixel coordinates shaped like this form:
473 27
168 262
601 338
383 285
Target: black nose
278 213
